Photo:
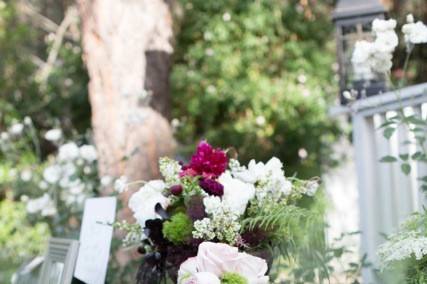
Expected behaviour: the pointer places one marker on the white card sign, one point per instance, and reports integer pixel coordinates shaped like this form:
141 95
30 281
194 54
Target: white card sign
95 240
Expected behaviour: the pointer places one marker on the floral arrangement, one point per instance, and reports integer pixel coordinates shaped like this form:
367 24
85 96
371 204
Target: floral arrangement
202 213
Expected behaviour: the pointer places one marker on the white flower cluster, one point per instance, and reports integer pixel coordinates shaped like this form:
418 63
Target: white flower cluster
414 32
43 205
403 246
268 179
70 176
369 57
170 170
16 129
222 222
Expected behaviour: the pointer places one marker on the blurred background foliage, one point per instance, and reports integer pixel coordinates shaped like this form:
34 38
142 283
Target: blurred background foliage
255 74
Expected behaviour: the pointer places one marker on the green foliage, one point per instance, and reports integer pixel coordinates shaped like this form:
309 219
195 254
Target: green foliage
232 278
19 240
256 75
178 229
62 97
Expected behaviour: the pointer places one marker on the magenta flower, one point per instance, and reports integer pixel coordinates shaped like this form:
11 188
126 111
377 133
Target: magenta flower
206 162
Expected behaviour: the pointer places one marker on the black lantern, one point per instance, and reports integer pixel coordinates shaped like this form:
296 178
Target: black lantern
353 19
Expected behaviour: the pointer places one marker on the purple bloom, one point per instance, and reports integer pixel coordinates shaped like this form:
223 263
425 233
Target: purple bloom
206 162
195 208
211 186
176 189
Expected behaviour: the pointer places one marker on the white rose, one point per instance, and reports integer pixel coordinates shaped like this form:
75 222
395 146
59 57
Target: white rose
143 202
237 193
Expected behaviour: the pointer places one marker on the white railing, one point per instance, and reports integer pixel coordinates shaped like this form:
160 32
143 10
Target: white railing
386 195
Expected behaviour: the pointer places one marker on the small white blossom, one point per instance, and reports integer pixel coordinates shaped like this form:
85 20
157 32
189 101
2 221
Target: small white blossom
376 56
43 204
120 184
88 153
170 170
311 188
26 175
27 120
52 174
414 33
53 134
106 181
68 151
4 136
16 129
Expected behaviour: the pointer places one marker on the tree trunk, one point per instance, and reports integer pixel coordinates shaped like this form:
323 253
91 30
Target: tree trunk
127 50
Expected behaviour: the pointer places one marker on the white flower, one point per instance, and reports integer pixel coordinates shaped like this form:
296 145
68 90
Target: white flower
4 136
53 134
407 245
410 18
106 180
68 151
87 170
43 184
88 153
143 202
269 178
311 188
170 170
52 174
381 26
369 57
415 33
237 193
27 120
120 184
26 175
16 129
212 204
42 204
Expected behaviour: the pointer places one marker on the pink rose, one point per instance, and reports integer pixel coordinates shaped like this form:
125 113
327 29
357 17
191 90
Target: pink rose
218 258
202 278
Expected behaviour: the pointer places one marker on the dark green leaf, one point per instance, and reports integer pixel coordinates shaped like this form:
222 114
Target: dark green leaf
404 157
388 159
406 168
388 132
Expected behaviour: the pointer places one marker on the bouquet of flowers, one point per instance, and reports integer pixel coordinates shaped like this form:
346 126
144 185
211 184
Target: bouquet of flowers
193 223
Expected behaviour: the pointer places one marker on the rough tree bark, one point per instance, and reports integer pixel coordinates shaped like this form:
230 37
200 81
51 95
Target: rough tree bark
127 49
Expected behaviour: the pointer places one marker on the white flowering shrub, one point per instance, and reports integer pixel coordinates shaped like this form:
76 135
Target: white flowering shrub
53 189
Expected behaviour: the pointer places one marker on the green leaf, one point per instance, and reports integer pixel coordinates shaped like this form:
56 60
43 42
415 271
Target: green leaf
406 168
388 132
388 159
404 157
418 156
